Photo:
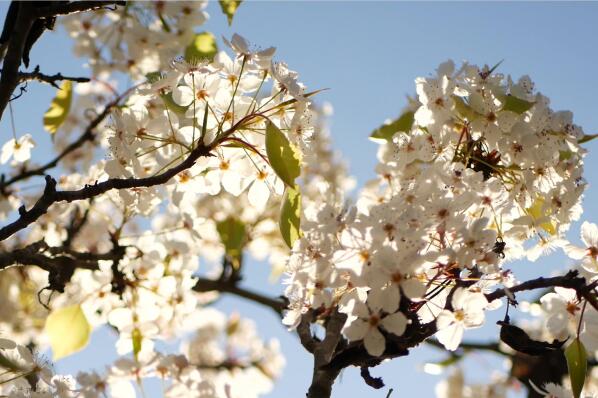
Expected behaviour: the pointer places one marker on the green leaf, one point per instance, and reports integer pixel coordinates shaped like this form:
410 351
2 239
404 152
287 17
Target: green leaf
517 105
166 97
229 7
68 330
136 339
173 106
587 138
577 362
565 155
59 107
153 77
284 159
290 215
403 124
232 235
537 211
464 109
165 25
203 47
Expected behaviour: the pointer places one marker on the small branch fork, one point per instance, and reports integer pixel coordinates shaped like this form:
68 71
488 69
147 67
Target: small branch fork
49 79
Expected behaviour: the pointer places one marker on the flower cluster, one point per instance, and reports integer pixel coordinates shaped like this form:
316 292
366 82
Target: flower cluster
140 38
474 168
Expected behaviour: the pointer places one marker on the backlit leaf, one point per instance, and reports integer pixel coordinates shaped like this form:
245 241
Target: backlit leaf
587 138
403 124
59 107
229 7
283 158
136 339
577 363
290 215
203 47
517 105
68 330
232 236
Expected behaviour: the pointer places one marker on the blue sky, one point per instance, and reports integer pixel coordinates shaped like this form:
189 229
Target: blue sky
368 55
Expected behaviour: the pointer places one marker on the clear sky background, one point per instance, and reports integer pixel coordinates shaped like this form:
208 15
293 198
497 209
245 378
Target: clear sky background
368 55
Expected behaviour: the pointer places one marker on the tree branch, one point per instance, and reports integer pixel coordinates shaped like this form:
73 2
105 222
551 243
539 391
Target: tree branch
51 195
20 31
571 280
51 258
208 285
10 71
49 79
74 7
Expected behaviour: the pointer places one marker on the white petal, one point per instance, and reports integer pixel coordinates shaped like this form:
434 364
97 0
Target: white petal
183 95
557 324
7 150
413 288
356 330
6 344
374 342
231 182
589 234
395 323
574 252
258 194
444 319
451 337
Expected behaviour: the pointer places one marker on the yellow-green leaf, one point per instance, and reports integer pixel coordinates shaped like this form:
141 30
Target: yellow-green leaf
59 107
232 236
403 124
587 138
283 158
136 339
169 103
203 47
577 363
565 155
173 106
290 215
229 7
68 330
517 105
464 109
537 212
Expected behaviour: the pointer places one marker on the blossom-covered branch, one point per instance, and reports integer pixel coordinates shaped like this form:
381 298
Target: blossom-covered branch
51 195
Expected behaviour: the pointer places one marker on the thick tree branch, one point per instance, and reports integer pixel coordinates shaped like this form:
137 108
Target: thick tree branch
75 7
16 46
52 258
